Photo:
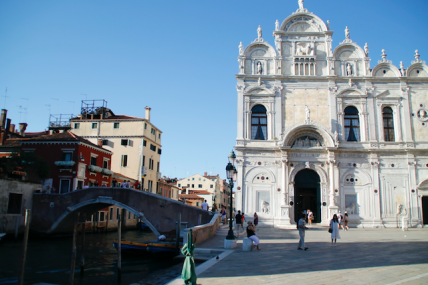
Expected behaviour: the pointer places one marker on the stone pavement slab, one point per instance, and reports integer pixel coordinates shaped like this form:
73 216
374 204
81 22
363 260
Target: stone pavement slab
361 256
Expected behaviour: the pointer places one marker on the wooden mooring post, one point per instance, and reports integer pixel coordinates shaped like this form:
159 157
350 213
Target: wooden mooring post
82 256
119 248
177 235
73 249
24 246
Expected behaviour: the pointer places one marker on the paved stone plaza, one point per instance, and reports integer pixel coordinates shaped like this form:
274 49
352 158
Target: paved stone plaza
362 256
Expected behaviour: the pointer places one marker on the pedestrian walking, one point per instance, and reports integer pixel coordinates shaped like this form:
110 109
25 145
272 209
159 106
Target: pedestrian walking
346 221
214 208
340 219
301 226
256 219
223 215
114 182
205 206
251 234
243 220
334 226
238 222
310 217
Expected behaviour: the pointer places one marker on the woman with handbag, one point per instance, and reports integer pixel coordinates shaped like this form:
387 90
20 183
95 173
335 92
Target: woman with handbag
334 230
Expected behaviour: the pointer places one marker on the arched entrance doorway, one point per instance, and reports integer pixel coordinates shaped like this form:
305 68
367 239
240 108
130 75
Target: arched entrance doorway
307 194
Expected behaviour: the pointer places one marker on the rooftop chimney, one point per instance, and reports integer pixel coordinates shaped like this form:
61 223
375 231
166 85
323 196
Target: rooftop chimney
22 128
148 113
6 131
12 128
3 118
205 174
100 143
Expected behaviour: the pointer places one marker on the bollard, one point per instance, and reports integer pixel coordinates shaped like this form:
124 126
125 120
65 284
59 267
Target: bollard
24 246
73 250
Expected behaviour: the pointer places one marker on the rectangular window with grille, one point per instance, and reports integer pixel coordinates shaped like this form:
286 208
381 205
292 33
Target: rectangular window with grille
115 125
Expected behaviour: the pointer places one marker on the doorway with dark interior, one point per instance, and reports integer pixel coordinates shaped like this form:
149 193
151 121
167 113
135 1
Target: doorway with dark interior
425 210
307 194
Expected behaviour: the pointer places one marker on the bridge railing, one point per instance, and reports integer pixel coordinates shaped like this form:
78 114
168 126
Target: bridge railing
203 232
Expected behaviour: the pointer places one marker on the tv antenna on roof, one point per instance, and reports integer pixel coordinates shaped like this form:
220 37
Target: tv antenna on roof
73 106
5 97
26 110
20 112
57 104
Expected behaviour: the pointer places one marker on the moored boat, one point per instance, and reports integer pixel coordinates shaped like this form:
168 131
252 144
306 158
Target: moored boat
2 235
153 246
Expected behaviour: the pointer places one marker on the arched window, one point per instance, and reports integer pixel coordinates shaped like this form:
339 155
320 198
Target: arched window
388 124
258 123
352 125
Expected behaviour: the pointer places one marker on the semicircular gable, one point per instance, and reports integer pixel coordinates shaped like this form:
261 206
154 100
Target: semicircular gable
348 51
417 70
303 22
386 70
259 49
251 175
302 131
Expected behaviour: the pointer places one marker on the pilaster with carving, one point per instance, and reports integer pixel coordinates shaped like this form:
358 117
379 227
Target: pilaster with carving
375 191
412 196
333 208
397 115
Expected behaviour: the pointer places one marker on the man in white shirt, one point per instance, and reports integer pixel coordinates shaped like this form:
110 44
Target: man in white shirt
301 225
205 206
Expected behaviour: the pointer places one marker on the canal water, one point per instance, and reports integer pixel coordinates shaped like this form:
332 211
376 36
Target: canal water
49 260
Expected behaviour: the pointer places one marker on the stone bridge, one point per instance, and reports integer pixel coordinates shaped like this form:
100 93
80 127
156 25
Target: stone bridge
56 213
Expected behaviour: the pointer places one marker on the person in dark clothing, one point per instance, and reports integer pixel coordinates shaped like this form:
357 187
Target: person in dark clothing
114 182
238 222
251 234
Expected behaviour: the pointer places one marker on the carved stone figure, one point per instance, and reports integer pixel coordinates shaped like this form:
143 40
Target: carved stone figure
307 164
277 25
264 206
422 114
241 49
328 25
351 208
308 49
366 50
301 4
402 69
347 33
399 209
259 32
307 113
336 137
348 69
259 67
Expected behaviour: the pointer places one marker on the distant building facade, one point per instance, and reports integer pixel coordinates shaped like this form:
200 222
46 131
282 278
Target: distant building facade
320 129
135 142
203 183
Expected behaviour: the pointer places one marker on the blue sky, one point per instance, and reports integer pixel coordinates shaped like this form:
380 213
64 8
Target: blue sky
178 57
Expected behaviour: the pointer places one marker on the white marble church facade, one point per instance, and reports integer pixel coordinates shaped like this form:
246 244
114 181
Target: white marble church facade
321 128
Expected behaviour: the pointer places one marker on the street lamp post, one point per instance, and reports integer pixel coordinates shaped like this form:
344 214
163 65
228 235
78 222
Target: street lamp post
231 175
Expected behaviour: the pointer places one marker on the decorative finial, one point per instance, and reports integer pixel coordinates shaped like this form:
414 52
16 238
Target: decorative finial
383 55
241 49
347 33
366 50
417 55
277 25
402 68
259 32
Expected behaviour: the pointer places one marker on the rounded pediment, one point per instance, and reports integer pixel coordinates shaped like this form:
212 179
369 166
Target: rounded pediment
303 23
386 69
349 51
308 136
417 70
259 50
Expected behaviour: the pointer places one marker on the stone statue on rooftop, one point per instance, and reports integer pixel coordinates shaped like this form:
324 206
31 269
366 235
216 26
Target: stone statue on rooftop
366 50
301 4
259 32
241 49
277 25
347 33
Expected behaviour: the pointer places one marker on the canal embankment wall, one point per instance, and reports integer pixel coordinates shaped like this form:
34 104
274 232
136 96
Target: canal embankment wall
15 198
203 232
